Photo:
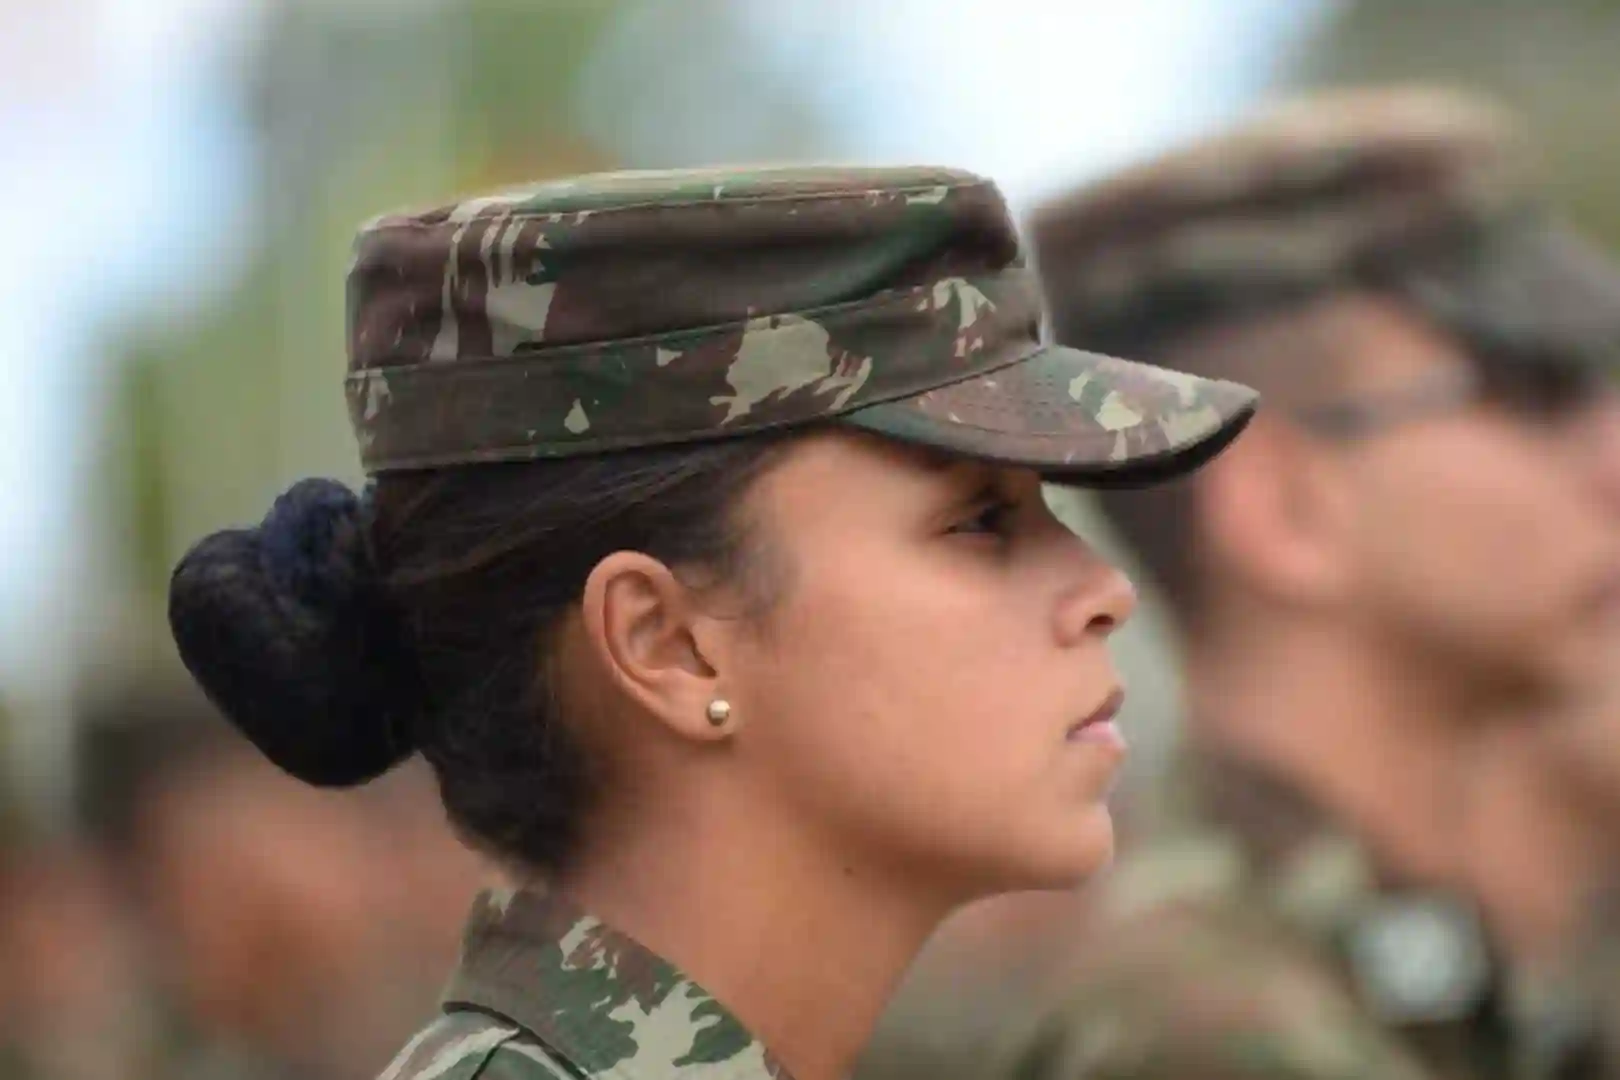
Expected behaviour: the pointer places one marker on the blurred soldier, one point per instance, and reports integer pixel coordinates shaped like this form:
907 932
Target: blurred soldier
287 933
70 1005
1422 535
68 1001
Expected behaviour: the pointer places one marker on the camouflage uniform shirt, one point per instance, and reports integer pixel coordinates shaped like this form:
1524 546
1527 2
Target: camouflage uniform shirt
1246 936
545 991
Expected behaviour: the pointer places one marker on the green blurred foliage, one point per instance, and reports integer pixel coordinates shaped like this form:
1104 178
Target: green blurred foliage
1554 61
353 112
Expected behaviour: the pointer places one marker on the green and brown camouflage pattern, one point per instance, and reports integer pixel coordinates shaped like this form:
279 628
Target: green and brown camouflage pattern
546 991
1244 935
639 309
1425 194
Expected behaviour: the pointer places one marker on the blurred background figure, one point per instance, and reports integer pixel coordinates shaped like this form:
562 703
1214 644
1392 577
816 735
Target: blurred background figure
1420 538
281 931
166 390
70 1004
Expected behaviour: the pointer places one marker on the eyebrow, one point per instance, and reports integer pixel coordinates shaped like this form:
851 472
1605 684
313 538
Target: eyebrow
978 478
937 461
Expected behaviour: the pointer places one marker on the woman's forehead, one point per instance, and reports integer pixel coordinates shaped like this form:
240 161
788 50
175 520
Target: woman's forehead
836 468
843 456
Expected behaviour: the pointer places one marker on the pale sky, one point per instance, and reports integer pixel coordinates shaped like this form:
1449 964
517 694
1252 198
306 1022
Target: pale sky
1031 92
121 180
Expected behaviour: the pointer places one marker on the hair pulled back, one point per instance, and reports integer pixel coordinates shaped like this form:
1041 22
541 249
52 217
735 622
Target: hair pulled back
346 632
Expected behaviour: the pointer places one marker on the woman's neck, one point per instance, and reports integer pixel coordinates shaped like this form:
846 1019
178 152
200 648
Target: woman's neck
804 951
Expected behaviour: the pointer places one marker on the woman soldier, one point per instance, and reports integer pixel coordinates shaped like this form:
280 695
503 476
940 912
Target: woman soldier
705 559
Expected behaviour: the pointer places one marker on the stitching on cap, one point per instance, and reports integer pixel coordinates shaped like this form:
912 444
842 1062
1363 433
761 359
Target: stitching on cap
947 422
889 298
527 450
411 222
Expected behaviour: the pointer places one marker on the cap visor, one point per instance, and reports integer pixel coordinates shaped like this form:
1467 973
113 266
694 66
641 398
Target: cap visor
1541 293
1076 417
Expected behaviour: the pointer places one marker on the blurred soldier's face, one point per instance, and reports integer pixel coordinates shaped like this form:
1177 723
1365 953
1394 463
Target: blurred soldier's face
306 923
1481 526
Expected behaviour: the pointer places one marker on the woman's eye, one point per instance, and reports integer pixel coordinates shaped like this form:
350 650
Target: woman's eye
992 519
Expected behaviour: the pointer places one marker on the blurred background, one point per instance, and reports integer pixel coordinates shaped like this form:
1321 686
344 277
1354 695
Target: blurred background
181 181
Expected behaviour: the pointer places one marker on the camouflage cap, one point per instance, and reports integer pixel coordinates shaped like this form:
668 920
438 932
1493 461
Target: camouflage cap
639 309
1425 192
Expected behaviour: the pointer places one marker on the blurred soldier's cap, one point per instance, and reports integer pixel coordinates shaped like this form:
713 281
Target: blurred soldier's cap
638 309
1424 193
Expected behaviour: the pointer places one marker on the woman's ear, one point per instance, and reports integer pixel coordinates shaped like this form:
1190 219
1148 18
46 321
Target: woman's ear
645 627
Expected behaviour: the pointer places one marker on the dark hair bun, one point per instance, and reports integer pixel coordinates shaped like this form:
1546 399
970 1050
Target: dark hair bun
285 628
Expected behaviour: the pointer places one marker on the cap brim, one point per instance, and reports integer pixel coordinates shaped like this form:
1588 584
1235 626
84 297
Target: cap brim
1539 293
1075 417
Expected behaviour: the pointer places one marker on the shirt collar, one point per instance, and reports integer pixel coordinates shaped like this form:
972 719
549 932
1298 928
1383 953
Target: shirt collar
596 997
1418 955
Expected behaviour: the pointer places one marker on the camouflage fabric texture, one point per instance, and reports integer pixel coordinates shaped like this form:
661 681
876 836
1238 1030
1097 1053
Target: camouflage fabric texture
1245 936
545 991
642 309
1422 193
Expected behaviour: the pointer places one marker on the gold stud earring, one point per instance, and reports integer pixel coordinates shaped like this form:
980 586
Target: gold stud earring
719 712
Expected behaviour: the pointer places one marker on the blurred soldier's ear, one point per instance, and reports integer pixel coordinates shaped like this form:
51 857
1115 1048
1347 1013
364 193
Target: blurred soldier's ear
1272 513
